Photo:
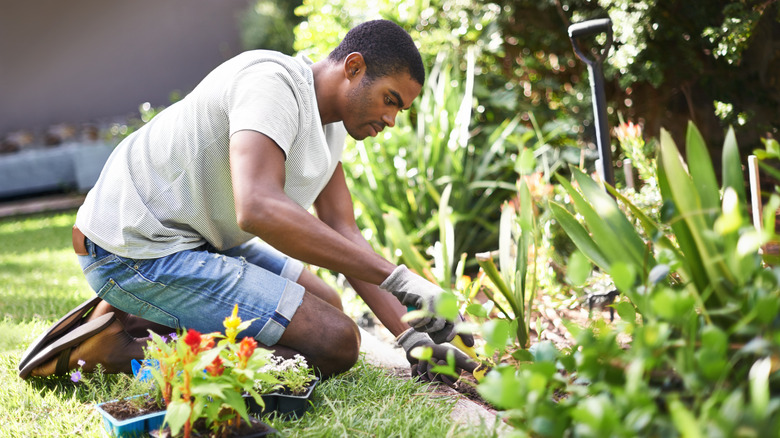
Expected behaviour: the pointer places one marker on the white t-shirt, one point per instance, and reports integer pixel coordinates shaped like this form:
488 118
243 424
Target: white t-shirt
167 187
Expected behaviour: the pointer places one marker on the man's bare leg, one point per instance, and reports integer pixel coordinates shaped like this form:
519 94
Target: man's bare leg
315 285
323 334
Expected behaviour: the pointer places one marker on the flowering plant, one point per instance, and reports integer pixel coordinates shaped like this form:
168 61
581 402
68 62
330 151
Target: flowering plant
204 376
293 375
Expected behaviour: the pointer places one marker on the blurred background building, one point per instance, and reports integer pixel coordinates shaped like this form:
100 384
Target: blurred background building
82 61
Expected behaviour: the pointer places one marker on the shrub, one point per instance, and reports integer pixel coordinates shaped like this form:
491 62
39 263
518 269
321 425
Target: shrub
695 349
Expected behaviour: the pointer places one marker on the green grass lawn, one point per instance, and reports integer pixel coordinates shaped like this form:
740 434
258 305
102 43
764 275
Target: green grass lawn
40 280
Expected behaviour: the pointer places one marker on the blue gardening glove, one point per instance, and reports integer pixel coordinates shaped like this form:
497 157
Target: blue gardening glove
416 292
421 369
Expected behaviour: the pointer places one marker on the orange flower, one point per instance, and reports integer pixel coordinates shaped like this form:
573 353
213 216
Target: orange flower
247 347
216 368
628 131
207 342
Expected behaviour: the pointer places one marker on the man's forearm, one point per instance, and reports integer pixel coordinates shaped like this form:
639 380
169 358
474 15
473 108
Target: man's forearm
294 231
384 305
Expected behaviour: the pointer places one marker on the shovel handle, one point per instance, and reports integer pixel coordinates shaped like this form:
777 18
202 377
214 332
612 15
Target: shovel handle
590 27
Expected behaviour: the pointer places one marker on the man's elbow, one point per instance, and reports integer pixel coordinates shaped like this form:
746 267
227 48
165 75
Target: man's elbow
250 217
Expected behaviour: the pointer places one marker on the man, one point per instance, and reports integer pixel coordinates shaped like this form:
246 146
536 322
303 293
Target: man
166 237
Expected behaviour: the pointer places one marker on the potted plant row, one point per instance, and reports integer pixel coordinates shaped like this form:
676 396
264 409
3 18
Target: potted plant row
291 394
202 381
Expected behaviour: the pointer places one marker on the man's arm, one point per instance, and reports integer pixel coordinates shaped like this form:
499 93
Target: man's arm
263 209
334 207
332 241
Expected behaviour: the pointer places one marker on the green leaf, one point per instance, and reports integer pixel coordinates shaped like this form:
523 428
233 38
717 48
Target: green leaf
485 261
731 218
712 337
580 236
209 388
207 357
522 355
235 400
772 147
503 388
688 202
421 353
447 306
626 311
612 245
673 305
578 269
684 420
767 308
526 162
700 167
759 386
524 258
506 244
770 215
496 142
544 352
477 310
624 277
446 235
496 333
650 227
732 167
620 231
711 365
411 256
176 415
688 253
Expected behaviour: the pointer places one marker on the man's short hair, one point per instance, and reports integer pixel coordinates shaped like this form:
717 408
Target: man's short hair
386 48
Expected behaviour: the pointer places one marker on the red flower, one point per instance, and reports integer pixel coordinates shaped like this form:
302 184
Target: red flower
193 339
247 347
216 368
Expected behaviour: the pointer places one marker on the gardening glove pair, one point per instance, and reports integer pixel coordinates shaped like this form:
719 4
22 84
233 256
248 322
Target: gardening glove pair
416 292
422 369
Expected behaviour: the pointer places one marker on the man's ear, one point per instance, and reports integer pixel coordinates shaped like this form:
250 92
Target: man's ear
354 65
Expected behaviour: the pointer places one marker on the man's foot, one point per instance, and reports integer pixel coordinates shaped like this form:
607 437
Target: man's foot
76 317
136 326
102 340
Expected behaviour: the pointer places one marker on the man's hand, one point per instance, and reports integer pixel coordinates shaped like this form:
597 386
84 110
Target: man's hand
419 293
410 339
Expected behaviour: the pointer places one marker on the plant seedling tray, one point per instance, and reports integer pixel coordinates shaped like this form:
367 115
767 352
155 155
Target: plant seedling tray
283 404
131 427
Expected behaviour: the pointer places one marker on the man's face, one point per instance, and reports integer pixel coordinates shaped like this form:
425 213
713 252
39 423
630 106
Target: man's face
372 105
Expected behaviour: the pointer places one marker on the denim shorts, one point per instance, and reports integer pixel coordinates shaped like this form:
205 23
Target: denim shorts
197 289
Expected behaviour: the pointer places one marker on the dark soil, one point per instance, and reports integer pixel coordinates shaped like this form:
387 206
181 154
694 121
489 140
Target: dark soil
133 407
466 386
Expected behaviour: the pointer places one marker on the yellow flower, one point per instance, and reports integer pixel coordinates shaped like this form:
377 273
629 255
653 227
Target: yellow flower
231 324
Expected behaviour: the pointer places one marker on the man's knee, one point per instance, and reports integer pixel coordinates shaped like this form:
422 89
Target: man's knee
345 347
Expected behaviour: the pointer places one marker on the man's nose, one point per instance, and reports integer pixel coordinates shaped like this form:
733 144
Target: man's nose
389 119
